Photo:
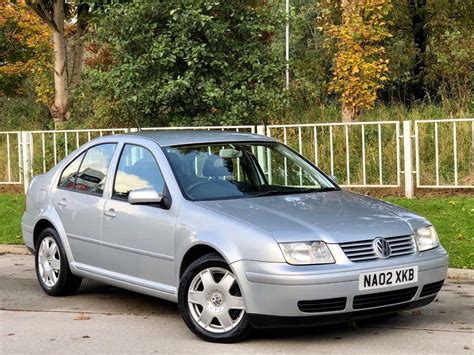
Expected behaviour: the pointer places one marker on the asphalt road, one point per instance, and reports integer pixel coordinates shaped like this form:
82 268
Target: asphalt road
104 319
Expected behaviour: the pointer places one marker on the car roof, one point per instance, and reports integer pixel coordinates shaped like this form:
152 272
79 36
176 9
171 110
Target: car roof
183 137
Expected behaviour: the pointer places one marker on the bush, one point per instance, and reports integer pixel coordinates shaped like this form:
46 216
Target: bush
190 63
22 113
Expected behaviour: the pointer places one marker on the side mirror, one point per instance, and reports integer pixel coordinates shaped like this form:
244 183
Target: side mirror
145 196
334 178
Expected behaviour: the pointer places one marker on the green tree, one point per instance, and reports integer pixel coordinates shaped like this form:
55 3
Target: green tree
186 63
429 51
310 58
449 63
418 15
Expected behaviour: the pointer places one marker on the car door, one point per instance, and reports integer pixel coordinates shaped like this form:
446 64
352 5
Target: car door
138 240
79 203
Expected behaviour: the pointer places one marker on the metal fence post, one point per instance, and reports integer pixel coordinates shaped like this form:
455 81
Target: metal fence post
26 159
261 150
408 160
261 129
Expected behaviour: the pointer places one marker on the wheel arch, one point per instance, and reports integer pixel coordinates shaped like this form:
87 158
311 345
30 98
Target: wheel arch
40 226
194 252
50 218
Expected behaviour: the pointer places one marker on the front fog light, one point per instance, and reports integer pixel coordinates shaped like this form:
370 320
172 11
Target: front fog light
306 253
426 238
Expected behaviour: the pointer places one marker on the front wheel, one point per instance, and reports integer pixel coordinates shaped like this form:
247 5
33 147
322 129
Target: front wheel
210 301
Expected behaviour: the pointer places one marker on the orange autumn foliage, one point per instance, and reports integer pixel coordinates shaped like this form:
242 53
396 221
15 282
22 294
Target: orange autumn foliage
360 65
26 49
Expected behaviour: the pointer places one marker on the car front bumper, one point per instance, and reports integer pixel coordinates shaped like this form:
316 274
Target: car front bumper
272 290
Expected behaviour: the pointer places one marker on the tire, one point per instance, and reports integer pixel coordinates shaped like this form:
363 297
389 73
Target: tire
220 304
52 267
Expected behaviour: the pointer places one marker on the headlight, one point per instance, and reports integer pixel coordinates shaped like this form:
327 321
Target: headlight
426 238
306 253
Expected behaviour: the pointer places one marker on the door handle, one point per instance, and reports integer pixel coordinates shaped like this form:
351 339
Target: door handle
110 213
62 202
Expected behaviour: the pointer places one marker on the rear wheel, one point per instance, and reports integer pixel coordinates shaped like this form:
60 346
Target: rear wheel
52 267
210 301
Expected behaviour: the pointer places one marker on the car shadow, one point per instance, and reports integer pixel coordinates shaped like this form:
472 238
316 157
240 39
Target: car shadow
101 298
114 300
338 331
138 304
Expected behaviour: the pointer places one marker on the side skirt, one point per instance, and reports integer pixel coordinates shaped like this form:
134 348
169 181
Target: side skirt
165 292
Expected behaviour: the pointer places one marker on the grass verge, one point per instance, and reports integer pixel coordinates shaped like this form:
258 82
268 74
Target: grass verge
453 218
11 210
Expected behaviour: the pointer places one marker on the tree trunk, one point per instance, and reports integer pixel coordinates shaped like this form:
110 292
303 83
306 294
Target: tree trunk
78 49
64 83
347 113
60 108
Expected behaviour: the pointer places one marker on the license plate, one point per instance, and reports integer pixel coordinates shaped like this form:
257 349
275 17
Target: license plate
388 278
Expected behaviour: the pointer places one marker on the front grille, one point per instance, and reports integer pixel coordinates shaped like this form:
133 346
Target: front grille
432 288
384 298
363 250
327 305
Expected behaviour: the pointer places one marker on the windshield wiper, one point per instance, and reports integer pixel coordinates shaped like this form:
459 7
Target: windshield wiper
310 190
267 193
289 192
321 189
324 189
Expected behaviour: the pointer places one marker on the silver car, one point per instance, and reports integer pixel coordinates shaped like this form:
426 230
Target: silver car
240 230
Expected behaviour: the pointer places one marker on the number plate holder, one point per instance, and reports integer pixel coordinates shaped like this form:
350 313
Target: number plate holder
388 278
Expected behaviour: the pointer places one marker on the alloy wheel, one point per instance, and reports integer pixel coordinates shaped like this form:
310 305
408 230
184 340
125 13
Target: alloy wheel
49 262
215 300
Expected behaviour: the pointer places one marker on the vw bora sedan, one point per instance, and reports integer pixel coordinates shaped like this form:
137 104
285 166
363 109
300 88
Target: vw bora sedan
238 229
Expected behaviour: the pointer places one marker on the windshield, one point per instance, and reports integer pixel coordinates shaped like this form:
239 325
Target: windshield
236 170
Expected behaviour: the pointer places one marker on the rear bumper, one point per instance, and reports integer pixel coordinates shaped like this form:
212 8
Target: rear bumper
274 289
27 230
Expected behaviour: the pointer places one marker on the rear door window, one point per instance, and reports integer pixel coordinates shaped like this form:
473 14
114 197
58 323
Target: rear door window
68 176
93 170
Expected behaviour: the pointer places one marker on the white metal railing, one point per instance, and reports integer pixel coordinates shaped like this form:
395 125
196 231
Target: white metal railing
10 158
358 145
243 128
361 154
39 150
438 140
49 147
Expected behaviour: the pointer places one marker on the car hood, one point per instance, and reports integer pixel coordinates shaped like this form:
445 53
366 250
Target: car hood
333 216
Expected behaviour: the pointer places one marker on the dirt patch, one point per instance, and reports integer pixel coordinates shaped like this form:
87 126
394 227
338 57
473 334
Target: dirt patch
11 189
